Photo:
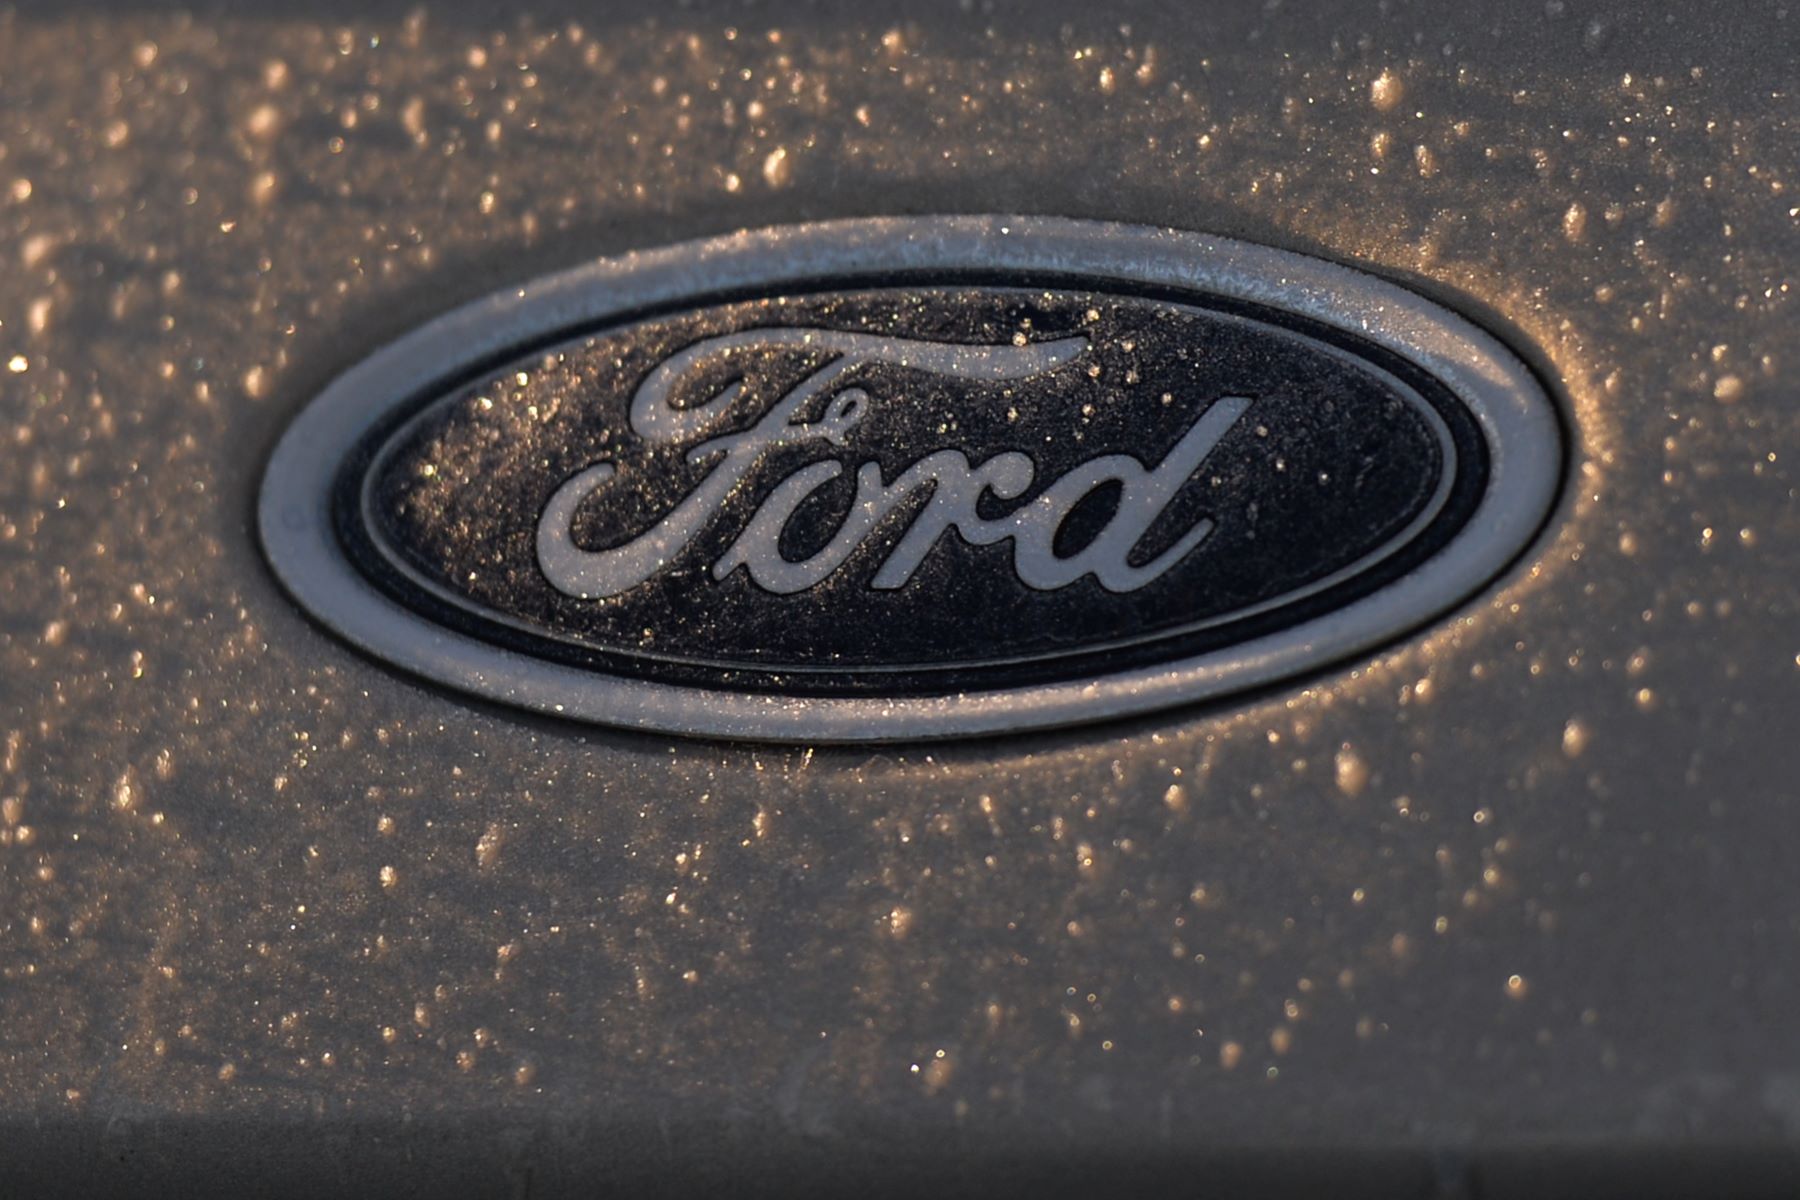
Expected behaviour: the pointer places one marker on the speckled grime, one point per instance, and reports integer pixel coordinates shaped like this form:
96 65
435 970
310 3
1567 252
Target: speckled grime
245 873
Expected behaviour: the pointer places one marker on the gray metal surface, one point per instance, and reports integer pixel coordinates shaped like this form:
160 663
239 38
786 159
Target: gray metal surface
1507 909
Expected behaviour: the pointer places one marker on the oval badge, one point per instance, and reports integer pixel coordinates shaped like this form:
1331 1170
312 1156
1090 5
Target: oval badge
910 478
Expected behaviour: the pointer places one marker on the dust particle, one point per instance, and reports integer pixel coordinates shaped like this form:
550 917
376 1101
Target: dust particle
487 847
1574 222
1386 91
1352 772
777 169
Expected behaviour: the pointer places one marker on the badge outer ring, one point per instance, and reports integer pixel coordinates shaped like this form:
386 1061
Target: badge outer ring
1517 419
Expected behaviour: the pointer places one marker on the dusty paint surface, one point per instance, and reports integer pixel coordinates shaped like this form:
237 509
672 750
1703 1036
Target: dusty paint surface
1532 873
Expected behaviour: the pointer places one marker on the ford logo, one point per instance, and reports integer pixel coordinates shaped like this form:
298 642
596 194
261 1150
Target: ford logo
910 478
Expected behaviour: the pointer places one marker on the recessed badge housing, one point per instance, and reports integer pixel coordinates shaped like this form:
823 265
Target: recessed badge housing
910 478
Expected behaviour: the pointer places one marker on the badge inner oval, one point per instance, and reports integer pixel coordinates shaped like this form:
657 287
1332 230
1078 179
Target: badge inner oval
911 477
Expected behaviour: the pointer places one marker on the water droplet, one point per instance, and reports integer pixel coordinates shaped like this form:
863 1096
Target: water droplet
1352 772
1386 90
